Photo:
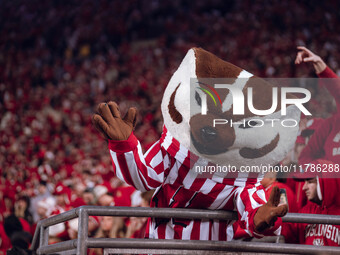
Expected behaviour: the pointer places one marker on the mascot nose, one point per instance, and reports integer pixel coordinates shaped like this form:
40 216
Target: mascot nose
208 134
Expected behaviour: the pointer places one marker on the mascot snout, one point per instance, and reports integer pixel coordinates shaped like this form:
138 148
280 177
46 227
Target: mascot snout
206 138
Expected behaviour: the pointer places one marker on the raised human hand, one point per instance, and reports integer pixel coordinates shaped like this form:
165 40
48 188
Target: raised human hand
111 125
305 55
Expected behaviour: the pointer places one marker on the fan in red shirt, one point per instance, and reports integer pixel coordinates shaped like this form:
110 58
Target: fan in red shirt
321 194
322 148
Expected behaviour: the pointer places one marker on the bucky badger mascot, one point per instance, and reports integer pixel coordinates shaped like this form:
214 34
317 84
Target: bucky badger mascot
189 139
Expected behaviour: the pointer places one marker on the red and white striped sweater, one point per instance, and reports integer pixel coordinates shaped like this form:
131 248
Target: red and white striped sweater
167 167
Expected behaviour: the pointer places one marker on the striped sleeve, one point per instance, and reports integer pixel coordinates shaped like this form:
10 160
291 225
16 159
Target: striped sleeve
144 172
248 200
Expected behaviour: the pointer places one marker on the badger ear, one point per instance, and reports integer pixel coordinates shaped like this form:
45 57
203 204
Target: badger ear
210 66
175 115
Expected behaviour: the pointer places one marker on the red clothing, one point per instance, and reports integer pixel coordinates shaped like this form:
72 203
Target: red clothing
317 234
25 225
325 142
123 195
332 86
5 243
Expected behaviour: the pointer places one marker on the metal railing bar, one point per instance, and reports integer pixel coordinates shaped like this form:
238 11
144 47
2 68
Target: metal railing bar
161 212
36 237
43 236
167 213
210 245
110 251
58 247
201 214
156 251
82 231
180 213
65 216
68 252
268 239
312 218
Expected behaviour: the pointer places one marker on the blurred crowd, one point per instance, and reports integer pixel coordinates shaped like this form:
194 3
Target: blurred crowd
59 59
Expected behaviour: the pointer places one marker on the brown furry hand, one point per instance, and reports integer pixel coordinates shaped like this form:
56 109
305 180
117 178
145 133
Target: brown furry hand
267 214
111 125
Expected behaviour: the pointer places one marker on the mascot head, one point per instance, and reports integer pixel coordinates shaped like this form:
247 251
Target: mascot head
219 135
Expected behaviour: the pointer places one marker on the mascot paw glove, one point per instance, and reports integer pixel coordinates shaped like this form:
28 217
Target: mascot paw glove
267 214
111 125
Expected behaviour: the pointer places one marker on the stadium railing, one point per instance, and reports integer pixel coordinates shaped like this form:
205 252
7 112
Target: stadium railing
80 245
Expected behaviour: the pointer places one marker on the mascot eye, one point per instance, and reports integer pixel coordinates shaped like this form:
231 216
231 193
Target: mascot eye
198 99
249 124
